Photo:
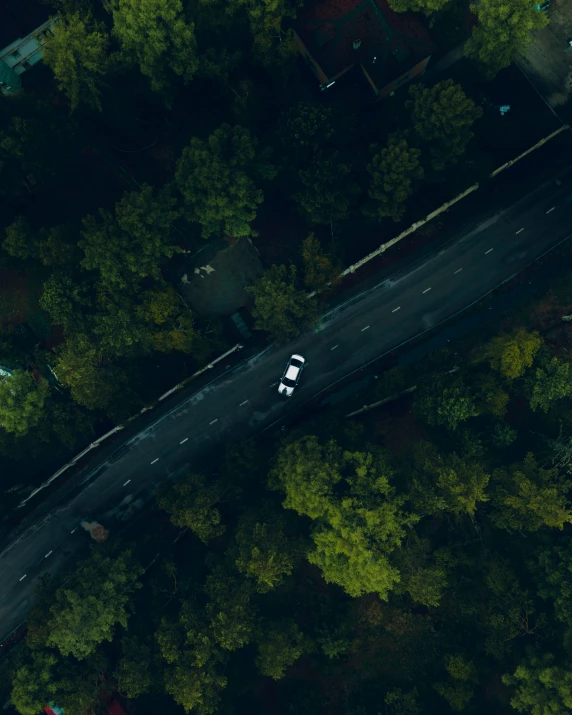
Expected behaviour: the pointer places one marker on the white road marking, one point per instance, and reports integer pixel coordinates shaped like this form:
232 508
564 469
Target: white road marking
127 482
490 249
71 532
396 309
335 346
458 270
426 290
552 209
243 403
23 577
366 327
215 420
520 230
48 554
155 460
184 440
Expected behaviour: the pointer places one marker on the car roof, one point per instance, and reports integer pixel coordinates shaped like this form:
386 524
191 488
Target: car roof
297 357
292 372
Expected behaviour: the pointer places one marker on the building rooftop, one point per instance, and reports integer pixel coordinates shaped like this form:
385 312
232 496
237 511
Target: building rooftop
340 33
20 17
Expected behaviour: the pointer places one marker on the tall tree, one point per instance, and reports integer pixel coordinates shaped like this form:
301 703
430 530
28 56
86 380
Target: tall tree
81 367
445 401
280 307
394 171
427 6
442 118
459 689
541 687
191 503
528 497
327 188
273 44
21 241
155 35
86 612
22 402
130 246
320 270
78 54
512 353
279 646
262 551
67 302
359 518
552 381
504 31
217 180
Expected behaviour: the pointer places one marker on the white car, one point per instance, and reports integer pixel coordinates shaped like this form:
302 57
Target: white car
291 375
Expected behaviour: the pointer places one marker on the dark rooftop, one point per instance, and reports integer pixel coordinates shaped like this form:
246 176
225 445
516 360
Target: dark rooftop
391 43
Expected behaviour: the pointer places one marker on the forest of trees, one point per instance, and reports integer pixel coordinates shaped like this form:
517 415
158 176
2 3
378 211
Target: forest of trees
357 576
341 569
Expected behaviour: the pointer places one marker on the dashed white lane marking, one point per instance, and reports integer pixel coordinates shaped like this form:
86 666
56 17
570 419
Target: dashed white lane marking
23 577
366 327
335 346
426 290
184 440
215 420
155 460
396 309
48 554
490 249
520 230
458 270
71 532
127 482
552 209
243 403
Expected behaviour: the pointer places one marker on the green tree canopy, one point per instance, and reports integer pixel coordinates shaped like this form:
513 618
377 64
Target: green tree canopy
358 518
191 503
273 44
217 180
540 687
511 354
135 669
394 171
81 367
304 129
528 497
504 31
22 402
20 241
281 308
66 301
130 246
230 609
320 270
262 551
443 117
86 612
156 37
445 401
427 6
279 646
458 690
548 383
78 54
327 188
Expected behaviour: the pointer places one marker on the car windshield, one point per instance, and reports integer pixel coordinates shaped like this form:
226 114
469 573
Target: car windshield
288 382
295 363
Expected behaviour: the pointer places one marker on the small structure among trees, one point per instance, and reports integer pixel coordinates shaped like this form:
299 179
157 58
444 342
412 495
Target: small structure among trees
390 48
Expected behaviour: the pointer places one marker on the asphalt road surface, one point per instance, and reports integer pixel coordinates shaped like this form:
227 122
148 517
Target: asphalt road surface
245 400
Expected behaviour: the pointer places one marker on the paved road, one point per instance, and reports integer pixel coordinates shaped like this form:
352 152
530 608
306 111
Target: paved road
245 400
